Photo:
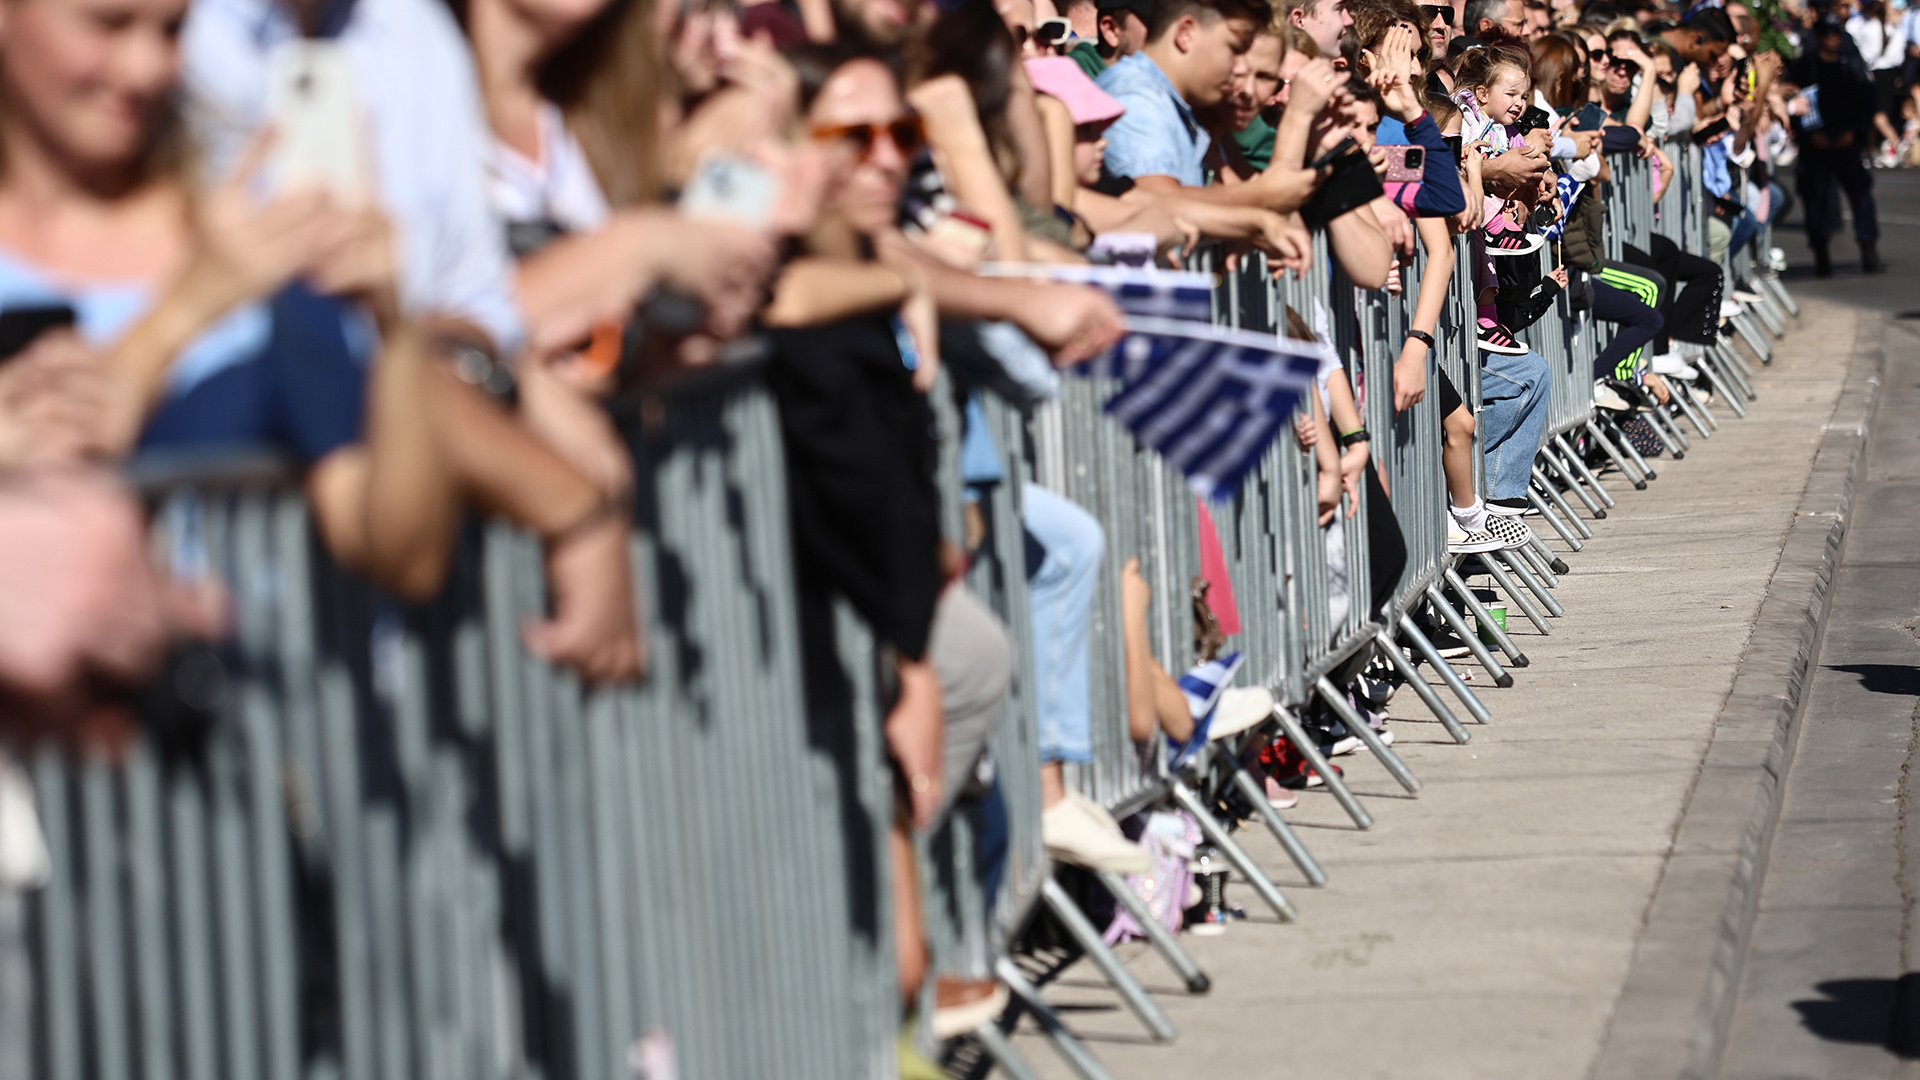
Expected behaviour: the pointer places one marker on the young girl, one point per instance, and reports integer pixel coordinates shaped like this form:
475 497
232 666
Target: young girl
1495 83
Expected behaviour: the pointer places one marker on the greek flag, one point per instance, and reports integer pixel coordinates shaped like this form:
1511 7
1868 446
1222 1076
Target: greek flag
1202 686
1161 294
1208 399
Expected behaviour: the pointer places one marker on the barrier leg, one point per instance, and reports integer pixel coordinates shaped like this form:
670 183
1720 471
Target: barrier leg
1217 835
1773 318
1533 584
1756 340
1551 511
1772 285
1693 407
1255 794
1612 451
1358 727
1500 636
1517 594
1447 675
1668 429
1563 465
1116 973
1336 784
1547 487
1731 360
1538 563
994 1041
1736 371
1428 696
1071 1049
1502 678
1163 942
1722 387
1633 452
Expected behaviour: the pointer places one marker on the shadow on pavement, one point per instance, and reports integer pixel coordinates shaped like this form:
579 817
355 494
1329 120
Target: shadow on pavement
1881 1012
1900 680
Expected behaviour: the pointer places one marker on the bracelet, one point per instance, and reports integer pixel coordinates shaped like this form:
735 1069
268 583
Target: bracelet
602 512
1357 435
1421 335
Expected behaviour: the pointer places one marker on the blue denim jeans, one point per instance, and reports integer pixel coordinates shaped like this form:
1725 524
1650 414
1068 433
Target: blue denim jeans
1513 415
1065 546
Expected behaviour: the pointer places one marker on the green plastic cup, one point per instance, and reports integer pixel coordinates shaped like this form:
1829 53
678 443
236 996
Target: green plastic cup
1497 614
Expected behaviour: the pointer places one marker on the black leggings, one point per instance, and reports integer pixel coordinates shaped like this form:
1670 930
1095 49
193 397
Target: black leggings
1691 303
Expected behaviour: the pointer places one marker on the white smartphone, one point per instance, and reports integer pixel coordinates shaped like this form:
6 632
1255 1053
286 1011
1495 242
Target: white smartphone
319 130
729 188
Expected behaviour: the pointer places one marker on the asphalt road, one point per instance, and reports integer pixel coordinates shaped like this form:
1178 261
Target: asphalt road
1831 985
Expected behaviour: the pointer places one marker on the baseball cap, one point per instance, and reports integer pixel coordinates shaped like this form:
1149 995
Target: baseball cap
1061 77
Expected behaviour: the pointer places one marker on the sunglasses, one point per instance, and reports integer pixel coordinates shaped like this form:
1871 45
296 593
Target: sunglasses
908 136
1434 11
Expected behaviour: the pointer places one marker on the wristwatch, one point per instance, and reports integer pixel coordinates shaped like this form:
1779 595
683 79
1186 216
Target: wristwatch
1421 335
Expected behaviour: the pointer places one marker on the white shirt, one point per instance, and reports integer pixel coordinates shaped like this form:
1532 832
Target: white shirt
415 78
559 187
1881 46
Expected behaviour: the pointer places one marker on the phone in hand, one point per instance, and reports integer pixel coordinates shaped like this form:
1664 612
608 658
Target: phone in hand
1405 164
1533 119
727 187
20 326
313 106
1711 132
1340 150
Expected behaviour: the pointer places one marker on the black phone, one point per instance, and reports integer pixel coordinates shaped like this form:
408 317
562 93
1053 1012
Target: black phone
1453 143
1346 146
19 326
1711 132
1533 119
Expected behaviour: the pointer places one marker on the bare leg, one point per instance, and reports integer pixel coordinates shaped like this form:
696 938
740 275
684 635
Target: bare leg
1153 698
1457 458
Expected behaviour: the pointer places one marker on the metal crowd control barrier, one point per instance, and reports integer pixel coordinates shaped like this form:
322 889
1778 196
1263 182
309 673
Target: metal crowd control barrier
408 849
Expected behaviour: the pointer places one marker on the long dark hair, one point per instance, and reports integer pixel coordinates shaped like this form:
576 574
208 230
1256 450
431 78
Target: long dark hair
1558 71
972 42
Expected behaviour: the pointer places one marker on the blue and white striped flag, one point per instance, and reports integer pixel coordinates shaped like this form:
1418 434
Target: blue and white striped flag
1202 686
1208 399
1160 294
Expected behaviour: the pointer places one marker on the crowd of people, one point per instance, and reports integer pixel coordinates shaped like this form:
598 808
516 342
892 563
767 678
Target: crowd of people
558 200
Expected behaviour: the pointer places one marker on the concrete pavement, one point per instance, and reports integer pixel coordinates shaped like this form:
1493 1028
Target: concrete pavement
1488 927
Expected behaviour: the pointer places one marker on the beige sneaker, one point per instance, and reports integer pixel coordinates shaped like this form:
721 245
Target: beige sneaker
1239 708
1073 835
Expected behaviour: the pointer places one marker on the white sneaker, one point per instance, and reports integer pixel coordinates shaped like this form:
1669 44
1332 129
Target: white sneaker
1777 260
1729 307
1343 747
1670 364
1462 542
1606 397
1240 708
1744 296
1076 837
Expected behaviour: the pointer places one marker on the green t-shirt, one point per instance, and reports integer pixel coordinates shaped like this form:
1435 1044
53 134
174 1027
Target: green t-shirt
1088 57
1256 142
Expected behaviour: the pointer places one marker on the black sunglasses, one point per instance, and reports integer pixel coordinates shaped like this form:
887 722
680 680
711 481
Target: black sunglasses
1435 11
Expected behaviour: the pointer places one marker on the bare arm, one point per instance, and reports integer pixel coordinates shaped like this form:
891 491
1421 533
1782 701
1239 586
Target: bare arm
966 159
1361 247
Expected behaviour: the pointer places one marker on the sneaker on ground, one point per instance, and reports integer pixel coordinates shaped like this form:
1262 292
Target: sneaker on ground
1730 307
1279 798
1076 837
1511 508
1462 542
1511 532
1239 708
1606 397
1385 733
1342 747
1495 338
962 1005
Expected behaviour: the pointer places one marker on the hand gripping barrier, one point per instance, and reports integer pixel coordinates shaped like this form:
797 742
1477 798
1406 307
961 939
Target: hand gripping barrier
408 849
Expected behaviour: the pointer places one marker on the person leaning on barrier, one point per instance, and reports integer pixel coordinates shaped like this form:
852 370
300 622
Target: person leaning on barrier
428 142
